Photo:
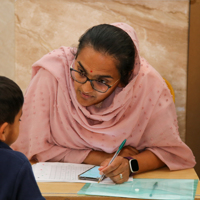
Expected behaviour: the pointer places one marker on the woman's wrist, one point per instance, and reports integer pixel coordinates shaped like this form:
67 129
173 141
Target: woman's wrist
147 161
133 165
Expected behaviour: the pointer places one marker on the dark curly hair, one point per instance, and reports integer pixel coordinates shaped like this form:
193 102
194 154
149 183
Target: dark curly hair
113 41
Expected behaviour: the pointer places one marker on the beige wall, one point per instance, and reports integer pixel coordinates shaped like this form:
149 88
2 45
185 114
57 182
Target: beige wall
7 39
161 25
193 90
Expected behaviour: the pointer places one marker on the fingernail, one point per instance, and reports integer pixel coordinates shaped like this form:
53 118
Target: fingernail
101 173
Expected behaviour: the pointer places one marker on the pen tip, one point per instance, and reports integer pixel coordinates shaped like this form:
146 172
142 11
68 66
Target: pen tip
99 180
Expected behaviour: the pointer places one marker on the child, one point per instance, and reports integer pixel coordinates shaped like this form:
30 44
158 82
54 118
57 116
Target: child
16 176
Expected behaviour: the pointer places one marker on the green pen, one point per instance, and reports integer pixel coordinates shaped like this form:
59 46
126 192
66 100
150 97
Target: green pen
116 154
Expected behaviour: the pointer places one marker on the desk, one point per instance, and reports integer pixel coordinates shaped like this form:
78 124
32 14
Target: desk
68 191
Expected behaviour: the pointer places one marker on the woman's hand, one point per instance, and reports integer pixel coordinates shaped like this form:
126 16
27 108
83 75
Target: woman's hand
118 171
128 151
147 161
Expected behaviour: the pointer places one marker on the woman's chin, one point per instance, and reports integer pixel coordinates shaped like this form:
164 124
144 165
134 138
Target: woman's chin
84 102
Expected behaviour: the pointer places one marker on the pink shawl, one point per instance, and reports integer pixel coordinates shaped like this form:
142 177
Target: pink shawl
55 127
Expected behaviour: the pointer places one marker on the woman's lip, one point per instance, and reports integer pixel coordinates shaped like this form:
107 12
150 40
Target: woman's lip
85 96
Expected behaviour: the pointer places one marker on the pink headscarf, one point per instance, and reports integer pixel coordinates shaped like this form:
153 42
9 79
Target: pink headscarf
55 127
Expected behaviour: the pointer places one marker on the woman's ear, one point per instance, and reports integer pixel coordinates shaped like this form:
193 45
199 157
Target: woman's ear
120 84
3 129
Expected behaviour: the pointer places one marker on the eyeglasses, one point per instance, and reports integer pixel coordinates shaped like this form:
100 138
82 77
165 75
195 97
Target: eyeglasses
97 85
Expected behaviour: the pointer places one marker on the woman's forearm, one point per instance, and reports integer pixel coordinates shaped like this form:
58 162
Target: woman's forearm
148 161
96 157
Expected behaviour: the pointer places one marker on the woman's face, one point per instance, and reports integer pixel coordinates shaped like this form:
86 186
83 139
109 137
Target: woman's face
98 66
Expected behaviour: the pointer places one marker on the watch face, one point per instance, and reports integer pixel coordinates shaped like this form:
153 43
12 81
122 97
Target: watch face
134 165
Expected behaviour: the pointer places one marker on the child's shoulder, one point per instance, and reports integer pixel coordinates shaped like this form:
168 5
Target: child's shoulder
7 155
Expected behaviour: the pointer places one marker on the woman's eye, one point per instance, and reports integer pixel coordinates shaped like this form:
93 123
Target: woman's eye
81 72
20 120
102 81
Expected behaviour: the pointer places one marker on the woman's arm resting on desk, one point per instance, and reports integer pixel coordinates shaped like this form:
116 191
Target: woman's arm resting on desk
97 157
147 161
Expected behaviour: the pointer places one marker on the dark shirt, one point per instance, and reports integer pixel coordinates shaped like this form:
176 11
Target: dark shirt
17 181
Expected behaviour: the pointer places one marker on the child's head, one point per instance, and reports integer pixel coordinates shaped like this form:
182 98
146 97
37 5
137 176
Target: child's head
11 101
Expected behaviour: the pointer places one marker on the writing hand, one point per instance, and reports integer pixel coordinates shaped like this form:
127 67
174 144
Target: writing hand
118 166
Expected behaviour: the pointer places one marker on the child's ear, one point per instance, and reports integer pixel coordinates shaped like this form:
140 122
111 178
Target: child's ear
3 129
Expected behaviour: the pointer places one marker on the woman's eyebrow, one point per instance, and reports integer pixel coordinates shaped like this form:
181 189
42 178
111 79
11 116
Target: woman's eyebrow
98 76
82 66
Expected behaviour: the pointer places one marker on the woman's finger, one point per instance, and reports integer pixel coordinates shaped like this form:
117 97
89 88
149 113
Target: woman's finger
112 167
105 163
121 172
120 178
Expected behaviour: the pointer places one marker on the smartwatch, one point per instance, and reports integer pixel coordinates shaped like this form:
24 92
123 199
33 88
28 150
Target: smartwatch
133 164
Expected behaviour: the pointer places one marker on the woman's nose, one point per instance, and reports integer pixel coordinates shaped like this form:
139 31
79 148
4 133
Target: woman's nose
87 88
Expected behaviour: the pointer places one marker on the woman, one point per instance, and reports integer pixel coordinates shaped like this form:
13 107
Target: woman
81 105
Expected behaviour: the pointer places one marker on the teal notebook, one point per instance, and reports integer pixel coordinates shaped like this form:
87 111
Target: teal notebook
182 189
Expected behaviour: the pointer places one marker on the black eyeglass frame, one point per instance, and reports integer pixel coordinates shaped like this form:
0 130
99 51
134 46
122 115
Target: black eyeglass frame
87 79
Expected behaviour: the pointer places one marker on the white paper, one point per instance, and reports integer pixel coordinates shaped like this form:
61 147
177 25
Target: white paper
59 172
63 172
